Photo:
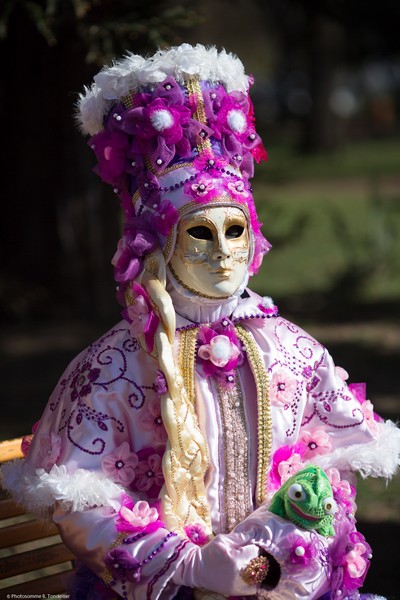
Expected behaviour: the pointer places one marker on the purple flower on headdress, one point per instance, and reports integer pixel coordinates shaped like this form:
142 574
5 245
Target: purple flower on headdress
165 217
137 241
201 189
110 148
159 122
149 188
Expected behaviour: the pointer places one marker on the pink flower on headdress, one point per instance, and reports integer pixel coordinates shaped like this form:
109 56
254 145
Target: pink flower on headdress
202 189
316 442
238 190
120 465
149 475
150 420
282 388
259 153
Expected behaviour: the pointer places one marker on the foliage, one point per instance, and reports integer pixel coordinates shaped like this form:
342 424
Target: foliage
339 222
105 27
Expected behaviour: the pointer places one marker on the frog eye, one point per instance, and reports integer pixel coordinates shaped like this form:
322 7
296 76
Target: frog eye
330 506
296 492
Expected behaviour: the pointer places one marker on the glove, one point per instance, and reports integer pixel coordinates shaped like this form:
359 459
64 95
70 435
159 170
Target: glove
280 538
216 567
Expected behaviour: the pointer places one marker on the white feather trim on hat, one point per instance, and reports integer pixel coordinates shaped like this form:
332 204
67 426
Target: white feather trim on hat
133 73
37 490
380 458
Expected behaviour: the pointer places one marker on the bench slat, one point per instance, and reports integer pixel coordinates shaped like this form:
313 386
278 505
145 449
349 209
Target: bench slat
29 561
8 509
26 532
10 449
53 584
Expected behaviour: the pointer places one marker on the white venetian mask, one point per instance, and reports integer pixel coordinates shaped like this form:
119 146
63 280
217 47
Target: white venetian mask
212 251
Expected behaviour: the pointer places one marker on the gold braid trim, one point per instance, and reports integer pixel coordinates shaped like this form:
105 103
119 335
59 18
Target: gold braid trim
187 358
106 575
193 88
264 426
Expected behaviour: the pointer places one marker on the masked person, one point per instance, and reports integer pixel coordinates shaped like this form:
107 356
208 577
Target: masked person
163 443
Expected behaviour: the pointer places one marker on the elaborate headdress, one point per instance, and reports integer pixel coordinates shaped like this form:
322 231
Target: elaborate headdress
173 133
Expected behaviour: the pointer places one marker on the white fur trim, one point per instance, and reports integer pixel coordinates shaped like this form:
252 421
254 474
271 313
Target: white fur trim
380 458
133 73
38 490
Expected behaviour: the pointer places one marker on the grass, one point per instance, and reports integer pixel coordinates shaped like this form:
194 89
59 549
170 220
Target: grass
329 218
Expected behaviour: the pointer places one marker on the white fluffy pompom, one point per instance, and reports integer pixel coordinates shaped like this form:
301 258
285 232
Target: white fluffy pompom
134 72
38 490
379 458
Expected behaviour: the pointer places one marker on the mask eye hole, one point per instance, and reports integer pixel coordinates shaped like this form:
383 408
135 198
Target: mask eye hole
330 506
200 232
234 231
296 492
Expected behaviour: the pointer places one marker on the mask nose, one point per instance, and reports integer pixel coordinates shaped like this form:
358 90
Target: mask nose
221 249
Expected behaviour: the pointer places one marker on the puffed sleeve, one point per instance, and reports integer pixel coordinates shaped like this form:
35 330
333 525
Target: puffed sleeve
81 466
356 438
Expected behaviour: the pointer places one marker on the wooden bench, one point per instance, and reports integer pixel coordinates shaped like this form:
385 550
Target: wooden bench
33 559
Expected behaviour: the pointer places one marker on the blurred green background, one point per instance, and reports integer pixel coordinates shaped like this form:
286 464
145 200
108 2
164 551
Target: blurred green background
327 101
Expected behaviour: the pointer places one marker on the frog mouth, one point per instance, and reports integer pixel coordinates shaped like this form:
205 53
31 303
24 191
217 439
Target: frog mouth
302 514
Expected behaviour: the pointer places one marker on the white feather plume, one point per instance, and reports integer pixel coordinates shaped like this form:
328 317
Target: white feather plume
38 490
134 73
379 458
